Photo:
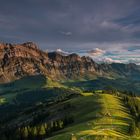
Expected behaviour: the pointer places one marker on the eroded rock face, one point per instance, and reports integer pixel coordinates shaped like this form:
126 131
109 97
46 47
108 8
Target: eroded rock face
19 60
27 50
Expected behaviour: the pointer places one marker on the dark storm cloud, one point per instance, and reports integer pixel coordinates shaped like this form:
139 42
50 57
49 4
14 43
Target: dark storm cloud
70 23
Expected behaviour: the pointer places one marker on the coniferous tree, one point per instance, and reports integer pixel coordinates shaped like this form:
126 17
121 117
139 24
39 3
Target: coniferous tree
34 131
42 130
25 132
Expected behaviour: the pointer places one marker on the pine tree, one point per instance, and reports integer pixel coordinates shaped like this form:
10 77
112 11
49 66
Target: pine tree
61 123
34 131
46 126
133 128
52 124
42 130
25 132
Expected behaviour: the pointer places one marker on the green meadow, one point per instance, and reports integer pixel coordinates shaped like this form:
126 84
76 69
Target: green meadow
99 117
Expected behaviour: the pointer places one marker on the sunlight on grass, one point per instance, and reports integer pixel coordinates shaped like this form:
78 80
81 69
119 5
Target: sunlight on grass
100 116
87 94
2 100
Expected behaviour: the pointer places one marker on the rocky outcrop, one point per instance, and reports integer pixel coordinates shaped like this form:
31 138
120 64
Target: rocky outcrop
19 60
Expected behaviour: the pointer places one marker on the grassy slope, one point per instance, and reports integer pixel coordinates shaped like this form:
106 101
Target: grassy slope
9 91
101 83
97 117
28 82
50 83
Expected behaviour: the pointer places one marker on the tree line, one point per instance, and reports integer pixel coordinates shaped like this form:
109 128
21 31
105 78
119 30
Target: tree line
35 132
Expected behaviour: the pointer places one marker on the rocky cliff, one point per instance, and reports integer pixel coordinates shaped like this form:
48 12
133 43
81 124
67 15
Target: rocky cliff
19 60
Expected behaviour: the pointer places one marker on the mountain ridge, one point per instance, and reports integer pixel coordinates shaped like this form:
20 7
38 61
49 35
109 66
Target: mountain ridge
19 60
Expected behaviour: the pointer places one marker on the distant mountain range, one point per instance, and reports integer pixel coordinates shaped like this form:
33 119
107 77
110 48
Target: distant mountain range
20 60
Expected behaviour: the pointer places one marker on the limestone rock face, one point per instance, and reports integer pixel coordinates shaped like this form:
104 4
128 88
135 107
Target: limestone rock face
19 60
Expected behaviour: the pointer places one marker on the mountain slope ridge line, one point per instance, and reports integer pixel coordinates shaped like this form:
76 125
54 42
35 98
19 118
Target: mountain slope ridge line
20 60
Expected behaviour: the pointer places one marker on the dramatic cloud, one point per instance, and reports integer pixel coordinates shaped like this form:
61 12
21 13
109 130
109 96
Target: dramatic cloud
110 60
121 53
72 25
96 52
62 52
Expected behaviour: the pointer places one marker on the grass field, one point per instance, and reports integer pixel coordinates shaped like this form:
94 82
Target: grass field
99 117
96 116
9 91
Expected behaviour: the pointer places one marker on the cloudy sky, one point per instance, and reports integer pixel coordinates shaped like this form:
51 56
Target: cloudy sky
73 25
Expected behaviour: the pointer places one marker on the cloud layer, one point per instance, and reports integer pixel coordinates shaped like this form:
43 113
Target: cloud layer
96 52
122 55
73 25
65 23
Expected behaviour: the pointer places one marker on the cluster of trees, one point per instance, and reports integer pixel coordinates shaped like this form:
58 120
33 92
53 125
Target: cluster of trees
40 131
35 132
28 132
134 106
38 125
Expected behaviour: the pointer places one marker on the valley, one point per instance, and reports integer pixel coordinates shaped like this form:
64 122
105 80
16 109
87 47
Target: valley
95 115
48 96
69 69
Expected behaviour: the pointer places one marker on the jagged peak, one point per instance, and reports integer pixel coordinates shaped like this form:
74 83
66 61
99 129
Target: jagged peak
6 45
30 45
